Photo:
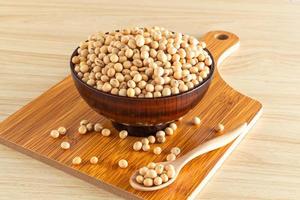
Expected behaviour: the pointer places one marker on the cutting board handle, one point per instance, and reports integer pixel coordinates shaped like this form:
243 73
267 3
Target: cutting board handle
221 44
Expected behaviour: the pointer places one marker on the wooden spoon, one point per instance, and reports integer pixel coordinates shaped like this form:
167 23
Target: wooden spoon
182 161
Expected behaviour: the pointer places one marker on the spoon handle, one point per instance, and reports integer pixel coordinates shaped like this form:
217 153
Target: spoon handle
210 145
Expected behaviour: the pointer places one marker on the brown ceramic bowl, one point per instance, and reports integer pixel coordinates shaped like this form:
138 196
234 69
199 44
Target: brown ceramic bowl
141 116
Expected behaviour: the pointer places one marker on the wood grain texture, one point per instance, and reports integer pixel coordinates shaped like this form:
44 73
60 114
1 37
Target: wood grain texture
38 37
62 106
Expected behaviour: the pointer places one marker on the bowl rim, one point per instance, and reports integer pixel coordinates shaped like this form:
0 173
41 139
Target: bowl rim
209 77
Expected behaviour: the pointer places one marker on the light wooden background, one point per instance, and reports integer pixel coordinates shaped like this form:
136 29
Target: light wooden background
37 38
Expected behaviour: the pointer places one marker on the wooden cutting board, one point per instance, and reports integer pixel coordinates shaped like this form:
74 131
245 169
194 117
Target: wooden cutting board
28 129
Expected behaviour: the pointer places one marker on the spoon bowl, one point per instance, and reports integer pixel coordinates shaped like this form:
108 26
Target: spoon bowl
140 187
178 164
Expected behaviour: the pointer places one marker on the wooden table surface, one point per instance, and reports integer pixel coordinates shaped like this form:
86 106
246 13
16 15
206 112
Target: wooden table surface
37 38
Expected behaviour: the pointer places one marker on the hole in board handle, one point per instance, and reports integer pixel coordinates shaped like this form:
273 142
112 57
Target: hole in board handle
221 36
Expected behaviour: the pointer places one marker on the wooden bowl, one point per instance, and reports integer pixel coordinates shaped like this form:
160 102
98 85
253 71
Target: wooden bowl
141 116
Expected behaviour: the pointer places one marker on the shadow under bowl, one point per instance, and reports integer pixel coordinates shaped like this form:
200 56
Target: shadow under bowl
141 116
